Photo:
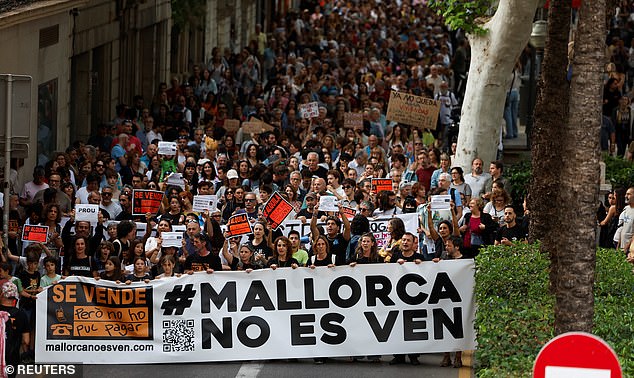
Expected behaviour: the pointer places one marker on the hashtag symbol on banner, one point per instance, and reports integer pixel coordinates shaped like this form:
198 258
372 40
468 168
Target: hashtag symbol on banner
178 299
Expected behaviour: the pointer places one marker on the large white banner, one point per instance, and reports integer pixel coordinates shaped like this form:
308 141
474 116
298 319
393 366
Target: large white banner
378 226
266 314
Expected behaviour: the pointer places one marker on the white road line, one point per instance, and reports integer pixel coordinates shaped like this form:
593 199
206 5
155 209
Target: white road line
250 370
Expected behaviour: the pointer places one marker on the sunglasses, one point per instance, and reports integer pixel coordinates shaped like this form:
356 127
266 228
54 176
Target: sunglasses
106 194
249 200
347 187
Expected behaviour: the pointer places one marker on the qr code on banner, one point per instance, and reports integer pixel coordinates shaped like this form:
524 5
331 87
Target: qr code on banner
178 335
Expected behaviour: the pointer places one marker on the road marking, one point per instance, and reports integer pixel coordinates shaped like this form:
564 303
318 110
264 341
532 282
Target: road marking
467 362
250 370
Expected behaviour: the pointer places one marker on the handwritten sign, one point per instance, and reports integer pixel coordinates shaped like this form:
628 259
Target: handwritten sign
352 120
238 225
167 148
176 179
231 125
32 233
328 203
380 184
146 201
310 110
256 127
205 202
440 202
87 213
413 110
276 210
172 239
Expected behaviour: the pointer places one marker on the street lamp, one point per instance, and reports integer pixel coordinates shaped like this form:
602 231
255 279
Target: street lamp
537 42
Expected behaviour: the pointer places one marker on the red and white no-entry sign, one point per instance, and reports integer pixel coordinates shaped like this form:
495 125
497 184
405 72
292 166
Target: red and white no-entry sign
577 355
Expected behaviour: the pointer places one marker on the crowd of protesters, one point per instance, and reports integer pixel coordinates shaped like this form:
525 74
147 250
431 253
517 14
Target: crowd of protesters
347 58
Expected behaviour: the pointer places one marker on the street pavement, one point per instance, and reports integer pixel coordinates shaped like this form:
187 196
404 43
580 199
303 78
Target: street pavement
339 367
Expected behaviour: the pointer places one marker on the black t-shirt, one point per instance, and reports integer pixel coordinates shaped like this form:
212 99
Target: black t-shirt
134 278
199 263
16 325
513 234
316 262
399 255
338 247
319 172
30 281
80 267
262 248
282 264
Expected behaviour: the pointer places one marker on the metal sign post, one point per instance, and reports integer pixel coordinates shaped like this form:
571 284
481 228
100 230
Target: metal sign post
17 110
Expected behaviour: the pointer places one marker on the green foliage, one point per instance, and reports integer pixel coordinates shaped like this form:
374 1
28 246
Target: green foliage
619 172
515 310
462 14
188 12
519 176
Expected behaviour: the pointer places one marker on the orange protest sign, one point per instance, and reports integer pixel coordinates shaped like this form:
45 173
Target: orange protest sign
349 212
38 234
238 225
380 184
86 312
276 210
146 201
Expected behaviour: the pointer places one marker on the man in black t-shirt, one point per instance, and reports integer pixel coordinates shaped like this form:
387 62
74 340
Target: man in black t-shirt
203 260
512 231
16 326
338 240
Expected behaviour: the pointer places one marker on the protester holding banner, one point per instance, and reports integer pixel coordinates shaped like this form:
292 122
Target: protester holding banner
112 270
320 253
298 253
337 241
445 231
261 243
282 254
203 260
104 252
77 262
396 229
366 251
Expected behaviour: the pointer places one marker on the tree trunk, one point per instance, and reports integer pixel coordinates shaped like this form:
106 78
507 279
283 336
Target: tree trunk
578 167
493 57
551 112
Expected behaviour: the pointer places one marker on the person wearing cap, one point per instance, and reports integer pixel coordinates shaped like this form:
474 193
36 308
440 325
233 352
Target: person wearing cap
16 325
307 213
232 182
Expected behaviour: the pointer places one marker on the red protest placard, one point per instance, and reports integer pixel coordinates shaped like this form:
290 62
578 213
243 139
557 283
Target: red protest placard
146 201
379 184
349 212
276 210
38 234
238 225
